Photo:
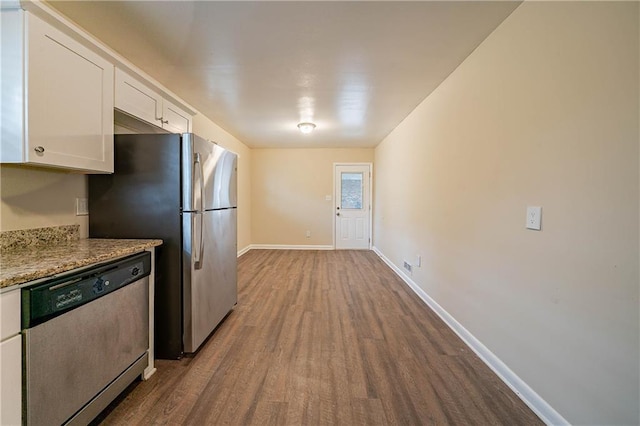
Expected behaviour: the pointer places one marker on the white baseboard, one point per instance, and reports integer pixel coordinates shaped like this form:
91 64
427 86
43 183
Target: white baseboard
538 405
244 250
148 372
289 247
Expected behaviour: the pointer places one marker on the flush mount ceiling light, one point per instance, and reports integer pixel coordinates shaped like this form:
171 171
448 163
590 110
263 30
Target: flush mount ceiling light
306 127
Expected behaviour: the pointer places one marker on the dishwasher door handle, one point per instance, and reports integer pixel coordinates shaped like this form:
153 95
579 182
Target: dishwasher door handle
66 283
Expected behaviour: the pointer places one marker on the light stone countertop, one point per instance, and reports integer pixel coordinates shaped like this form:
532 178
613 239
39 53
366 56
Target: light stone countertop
19 265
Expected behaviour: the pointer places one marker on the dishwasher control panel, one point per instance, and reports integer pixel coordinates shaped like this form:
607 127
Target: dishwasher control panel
51 298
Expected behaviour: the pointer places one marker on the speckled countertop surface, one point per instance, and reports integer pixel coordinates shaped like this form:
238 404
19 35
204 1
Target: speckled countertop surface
27 263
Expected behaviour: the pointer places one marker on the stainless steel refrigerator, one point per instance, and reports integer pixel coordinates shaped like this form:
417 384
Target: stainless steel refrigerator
182 189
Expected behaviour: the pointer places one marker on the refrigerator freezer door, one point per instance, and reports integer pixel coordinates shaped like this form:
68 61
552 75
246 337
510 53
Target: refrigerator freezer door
210 292
196 159
210 167
224 180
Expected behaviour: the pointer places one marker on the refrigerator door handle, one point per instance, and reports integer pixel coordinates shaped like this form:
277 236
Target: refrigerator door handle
197 160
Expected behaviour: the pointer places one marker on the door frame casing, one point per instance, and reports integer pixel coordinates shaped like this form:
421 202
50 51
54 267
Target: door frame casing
333 209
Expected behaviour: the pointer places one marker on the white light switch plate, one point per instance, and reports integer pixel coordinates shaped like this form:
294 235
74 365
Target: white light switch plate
82 207
534 217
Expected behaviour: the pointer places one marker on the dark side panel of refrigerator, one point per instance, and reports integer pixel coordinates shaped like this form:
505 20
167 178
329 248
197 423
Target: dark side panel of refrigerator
142 199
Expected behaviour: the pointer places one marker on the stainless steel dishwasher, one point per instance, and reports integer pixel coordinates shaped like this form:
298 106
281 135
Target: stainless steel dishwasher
86 336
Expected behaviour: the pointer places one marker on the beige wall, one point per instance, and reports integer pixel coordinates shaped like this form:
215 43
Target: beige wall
206 128
34 198
289 189
545 112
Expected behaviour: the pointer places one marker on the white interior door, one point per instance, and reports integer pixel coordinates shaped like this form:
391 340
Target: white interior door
352 206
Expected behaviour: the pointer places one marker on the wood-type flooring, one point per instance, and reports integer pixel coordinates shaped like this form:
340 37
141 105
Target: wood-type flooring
323 338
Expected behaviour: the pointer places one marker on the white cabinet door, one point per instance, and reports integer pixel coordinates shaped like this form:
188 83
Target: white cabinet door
11 381
10 359
57 98
140 101
70 102
136 99
9 314
175 120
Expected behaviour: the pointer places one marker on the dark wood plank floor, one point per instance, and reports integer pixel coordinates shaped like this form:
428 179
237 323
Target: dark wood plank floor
323 337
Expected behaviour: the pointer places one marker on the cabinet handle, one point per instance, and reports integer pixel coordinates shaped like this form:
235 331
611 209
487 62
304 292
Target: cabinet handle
165 121
39 149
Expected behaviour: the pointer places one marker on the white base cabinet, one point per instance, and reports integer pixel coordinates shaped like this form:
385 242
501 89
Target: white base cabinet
138 100
57 98
10 359
11 381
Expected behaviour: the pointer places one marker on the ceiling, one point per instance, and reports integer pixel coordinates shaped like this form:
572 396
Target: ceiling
257 69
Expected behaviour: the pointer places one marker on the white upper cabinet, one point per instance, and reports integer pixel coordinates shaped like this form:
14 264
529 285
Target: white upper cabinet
57 98
138 100
175 120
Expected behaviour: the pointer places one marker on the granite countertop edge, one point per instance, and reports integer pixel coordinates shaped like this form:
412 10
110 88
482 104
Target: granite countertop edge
29 264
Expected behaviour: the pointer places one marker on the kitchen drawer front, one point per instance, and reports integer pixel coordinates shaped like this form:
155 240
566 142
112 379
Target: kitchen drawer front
9 314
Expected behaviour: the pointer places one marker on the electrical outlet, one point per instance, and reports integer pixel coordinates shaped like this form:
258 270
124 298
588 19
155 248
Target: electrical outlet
418 261
308 234
407 266
82 207
534 217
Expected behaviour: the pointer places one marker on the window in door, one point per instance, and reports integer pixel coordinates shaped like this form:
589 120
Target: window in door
351 190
